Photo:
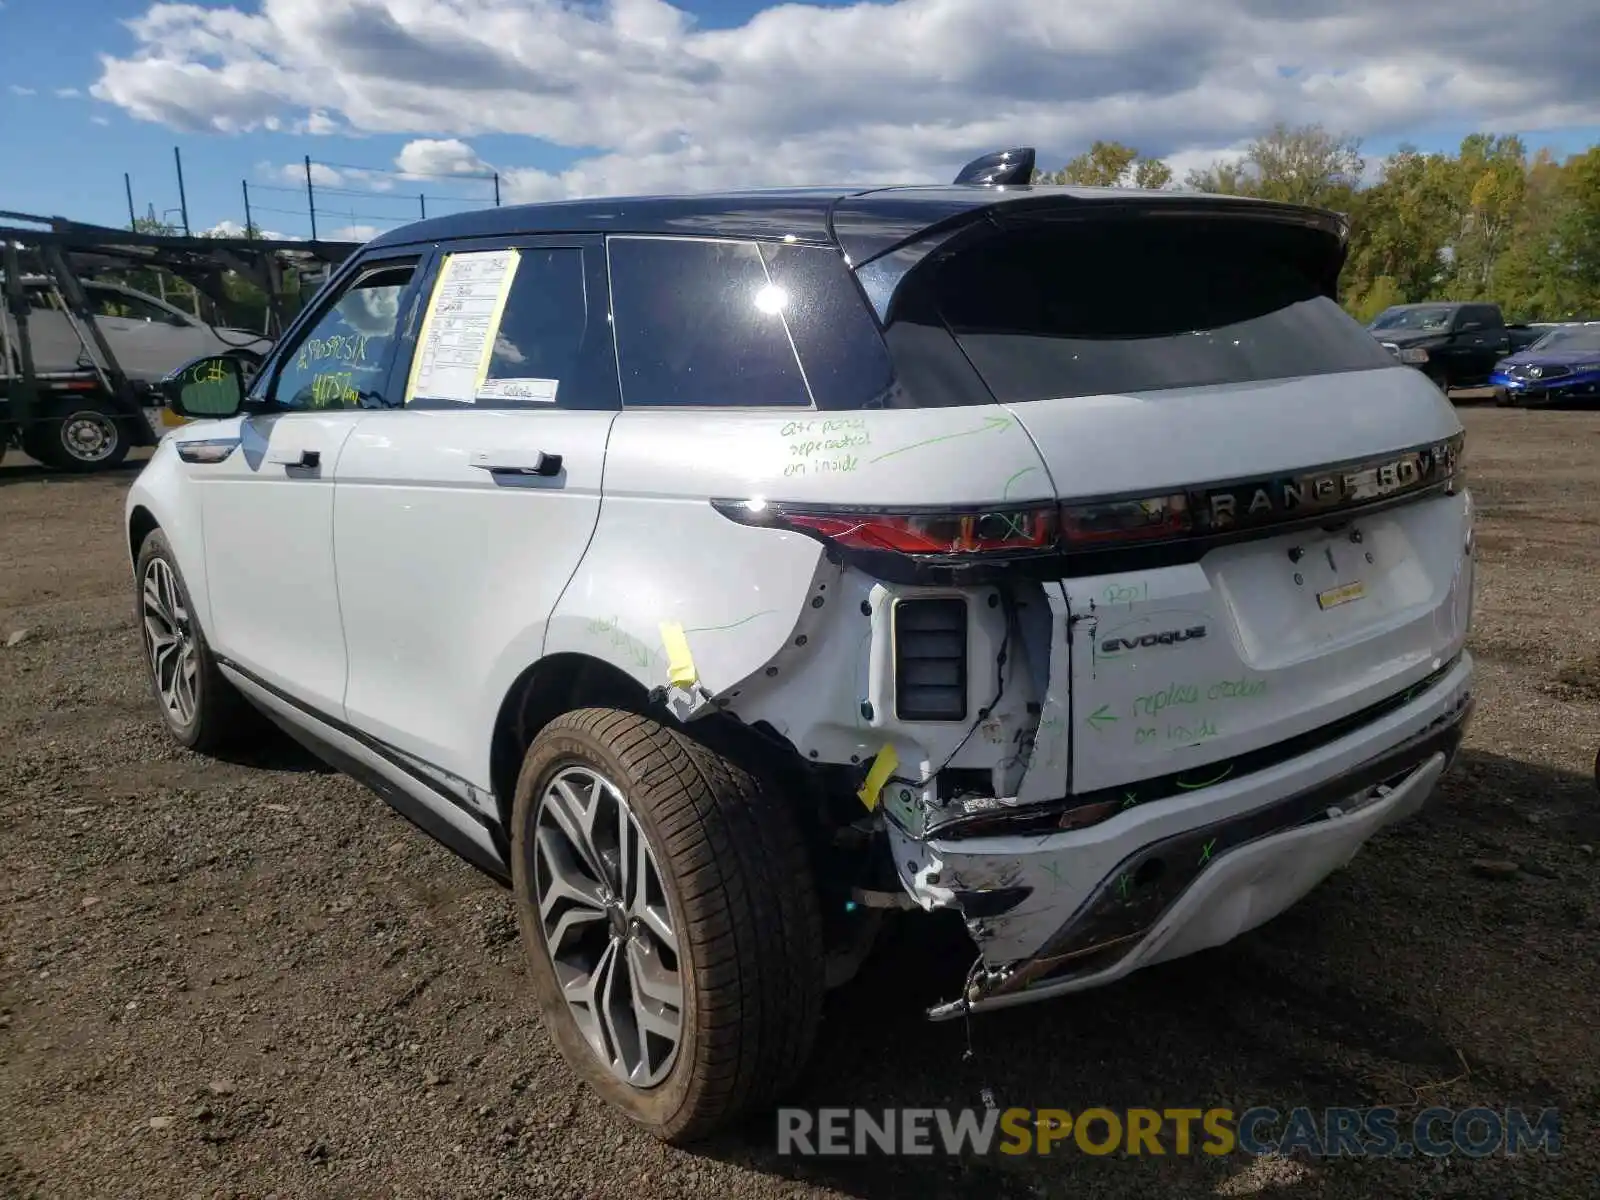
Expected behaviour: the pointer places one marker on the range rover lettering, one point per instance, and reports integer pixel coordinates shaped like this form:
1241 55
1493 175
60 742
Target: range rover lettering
723 573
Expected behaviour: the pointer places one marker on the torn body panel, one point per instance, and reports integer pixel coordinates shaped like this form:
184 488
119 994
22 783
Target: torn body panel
1084 905
841 696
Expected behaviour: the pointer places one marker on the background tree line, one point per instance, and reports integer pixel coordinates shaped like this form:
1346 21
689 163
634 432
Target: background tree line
1490 222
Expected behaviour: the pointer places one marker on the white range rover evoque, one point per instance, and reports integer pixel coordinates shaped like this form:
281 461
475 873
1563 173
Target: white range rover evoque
722 571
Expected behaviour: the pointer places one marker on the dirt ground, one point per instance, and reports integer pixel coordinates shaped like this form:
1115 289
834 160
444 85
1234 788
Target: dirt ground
255 980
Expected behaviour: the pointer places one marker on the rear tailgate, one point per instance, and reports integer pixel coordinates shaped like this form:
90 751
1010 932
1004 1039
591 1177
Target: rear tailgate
1265 531
1177 669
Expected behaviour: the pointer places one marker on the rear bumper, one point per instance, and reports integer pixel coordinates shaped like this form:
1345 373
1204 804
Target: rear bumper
1080 908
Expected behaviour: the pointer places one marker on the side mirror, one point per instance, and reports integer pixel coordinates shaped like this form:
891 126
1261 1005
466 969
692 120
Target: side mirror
210 387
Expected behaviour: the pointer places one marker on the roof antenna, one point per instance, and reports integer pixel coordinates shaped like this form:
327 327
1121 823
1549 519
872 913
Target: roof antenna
1000 169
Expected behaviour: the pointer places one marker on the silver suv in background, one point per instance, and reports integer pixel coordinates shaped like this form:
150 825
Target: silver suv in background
149 337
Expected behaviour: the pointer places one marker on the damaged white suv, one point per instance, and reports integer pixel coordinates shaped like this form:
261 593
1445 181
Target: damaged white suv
722 571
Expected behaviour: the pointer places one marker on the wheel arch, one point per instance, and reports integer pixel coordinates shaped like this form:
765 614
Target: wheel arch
555 684
141 524
160 500
561 682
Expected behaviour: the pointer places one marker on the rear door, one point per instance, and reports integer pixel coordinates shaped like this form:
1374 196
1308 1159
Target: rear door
1263 537
463 511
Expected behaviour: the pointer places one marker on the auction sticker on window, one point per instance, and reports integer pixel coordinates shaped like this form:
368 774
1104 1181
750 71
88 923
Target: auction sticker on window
457 337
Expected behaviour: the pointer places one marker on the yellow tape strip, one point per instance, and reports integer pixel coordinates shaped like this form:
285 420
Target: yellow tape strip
494 320
680 663
877 775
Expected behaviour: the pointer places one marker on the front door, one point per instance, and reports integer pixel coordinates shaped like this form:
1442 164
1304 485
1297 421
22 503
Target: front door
268 507
462 515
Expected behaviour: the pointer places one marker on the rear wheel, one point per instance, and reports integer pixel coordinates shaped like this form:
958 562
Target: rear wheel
670 921
202 710
79 435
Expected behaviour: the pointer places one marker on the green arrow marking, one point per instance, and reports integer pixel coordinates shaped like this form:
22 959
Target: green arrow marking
1100 717
989 423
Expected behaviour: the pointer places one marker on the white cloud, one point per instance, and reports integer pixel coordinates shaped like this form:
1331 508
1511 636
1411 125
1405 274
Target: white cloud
99 120
295 173
900 90
18 90
320 124
68 93
427 157
232 229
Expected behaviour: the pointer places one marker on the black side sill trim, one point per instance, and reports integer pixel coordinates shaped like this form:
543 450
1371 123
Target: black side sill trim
445 786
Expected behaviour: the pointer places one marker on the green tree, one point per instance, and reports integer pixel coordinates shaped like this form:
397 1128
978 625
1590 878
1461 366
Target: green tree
1110 164
1491 184
1575 249
1151 173
1304 165
1401 227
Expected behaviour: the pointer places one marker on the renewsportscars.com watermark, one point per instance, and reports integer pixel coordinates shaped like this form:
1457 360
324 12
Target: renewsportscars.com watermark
1322 1133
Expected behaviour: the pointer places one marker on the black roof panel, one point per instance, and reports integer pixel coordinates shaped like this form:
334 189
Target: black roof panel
863 222
798 212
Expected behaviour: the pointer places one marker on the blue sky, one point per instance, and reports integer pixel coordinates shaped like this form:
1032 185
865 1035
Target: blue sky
613 96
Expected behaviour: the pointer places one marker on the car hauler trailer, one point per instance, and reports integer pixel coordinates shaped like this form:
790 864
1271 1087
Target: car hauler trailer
85 415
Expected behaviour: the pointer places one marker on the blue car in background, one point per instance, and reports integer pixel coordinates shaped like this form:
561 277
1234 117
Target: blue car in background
1562 367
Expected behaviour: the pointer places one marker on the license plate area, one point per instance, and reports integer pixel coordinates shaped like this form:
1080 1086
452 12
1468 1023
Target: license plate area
1305 594
1343 594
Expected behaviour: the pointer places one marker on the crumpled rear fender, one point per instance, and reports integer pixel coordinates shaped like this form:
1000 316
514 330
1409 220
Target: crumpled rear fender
665 577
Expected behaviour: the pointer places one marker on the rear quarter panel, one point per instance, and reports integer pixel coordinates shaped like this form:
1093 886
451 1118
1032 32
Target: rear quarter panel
662 554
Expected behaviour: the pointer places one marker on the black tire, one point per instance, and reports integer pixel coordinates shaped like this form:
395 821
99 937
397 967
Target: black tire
219 717
79 435
738 886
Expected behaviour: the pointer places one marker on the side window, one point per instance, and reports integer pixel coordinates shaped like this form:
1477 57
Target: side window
340 360
538 345
106 303
700 323
834 332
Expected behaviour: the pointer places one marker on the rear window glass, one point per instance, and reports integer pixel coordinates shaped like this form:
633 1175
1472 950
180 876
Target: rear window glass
701 323
1093 308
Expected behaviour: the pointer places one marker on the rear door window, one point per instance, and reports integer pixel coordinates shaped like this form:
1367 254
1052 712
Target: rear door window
1090 308
701 323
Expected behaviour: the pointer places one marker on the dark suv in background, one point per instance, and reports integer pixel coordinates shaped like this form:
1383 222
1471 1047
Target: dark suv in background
1455 345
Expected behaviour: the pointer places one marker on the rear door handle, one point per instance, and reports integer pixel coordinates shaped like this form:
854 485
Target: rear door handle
514 462
308 459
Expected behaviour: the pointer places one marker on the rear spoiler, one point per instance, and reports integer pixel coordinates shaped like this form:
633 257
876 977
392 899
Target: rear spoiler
884 243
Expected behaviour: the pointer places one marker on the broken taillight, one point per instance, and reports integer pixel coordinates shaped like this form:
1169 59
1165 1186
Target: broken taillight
940 534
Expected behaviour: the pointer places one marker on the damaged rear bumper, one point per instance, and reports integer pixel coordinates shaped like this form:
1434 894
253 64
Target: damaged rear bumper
1070 910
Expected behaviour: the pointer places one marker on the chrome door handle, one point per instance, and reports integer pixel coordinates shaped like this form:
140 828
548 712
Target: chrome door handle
510 462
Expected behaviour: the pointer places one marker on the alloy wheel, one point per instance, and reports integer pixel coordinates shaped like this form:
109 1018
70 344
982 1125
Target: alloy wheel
169 640
607 927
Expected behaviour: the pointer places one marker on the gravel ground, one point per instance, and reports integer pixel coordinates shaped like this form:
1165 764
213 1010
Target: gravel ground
253 979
